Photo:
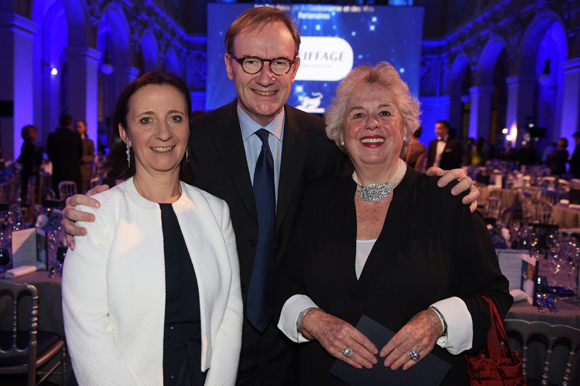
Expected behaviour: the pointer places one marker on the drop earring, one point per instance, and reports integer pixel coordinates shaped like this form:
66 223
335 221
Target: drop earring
187 154
404 139
128 152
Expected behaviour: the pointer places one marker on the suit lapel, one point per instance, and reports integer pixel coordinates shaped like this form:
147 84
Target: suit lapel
229 145
294 151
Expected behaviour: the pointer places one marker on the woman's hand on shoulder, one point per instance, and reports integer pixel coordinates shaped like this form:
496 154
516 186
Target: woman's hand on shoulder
337 336
70 215
419 335
465 183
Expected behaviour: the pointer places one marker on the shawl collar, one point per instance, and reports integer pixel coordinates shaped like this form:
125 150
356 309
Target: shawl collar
294 150
378 261
228 143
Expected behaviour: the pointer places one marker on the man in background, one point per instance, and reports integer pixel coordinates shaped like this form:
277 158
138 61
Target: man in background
444 152
65 150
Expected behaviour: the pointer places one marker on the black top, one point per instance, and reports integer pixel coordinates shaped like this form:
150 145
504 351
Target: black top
430 248
182 333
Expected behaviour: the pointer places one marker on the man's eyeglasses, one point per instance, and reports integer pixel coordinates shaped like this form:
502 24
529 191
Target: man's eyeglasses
253 64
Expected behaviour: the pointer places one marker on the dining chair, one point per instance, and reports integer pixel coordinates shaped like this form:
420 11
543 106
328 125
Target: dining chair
552 334
93 182
23 352
493 207
67 188
550 196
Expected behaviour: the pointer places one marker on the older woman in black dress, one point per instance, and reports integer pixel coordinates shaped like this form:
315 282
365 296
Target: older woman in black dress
387 243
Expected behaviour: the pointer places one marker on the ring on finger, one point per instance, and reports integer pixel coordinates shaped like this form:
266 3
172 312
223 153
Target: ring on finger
414 355
348 352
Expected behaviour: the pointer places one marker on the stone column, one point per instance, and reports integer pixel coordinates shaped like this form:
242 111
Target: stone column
16 78
571 100
480 113
83 67
520 101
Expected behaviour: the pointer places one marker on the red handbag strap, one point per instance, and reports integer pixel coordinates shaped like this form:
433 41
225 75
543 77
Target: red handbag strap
495 326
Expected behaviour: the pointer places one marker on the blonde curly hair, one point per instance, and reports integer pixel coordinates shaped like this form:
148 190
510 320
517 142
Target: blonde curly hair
385 75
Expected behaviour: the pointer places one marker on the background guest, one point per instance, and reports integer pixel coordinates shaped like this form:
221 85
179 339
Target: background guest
559 158
30 159
88 154
403 242
575 160
65 150
444 152
479 154
528 155
416 152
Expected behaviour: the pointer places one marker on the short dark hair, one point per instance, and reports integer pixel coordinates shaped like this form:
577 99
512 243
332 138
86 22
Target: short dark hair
65 120
116 162
258 17
576 134
417 133
444 123
25 131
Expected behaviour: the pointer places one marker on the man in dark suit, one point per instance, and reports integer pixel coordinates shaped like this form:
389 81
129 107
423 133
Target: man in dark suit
226 147
575 160
444 152
65 150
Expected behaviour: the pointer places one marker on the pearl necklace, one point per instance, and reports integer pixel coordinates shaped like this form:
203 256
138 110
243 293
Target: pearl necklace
378 192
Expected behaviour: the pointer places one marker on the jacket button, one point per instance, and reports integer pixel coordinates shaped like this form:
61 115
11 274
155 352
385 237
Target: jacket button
243 287
172 376
171 327
252 243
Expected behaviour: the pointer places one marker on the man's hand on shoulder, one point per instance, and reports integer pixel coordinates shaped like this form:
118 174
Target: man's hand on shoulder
465 183
70 215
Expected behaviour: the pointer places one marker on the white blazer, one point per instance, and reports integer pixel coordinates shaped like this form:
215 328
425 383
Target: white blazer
114 288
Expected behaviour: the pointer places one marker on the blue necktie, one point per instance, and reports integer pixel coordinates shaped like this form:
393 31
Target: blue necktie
260 301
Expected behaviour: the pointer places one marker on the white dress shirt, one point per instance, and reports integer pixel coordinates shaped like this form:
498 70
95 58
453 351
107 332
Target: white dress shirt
253 144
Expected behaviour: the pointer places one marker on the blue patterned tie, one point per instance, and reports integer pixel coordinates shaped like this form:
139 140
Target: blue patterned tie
260 302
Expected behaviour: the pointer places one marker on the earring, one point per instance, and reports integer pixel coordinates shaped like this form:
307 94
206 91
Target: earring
187 154
342 144
404 139
128 152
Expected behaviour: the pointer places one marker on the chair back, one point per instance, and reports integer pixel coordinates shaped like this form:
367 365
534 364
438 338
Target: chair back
550 196
552 333
67 188
15 292
493 207
93 182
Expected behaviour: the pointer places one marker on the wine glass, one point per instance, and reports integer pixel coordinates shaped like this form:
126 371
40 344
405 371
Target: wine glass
554 259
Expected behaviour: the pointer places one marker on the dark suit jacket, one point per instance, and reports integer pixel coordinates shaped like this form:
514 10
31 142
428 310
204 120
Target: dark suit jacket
575 162
451 157
65 150
431 247
220 168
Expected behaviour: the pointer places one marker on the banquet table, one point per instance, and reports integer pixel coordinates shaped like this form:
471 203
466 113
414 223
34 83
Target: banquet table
566 217
50 316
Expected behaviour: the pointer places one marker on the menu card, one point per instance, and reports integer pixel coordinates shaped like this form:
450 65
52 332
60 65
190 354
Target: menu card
520 270
429 371
29 246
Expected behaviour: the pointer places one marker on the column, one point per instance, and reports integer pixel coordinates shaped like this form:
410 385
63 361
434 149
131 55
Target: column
520 101
571 100
123 76
83 67
480 113
16 78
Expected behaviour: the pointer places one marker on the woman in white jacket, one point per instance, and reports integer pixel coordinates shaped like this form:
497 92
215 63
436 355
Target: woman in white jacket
152 295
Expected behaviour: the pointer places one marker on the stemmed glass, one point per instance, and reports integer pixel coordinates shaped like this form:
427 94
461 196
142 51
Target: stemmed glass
555 261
